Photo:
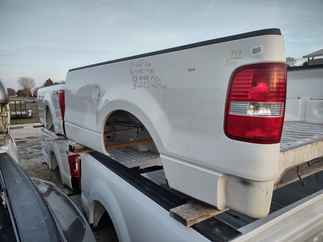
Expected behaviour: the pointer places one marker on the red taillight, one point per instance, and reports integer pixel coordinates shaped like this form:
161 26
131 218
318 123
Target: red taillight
255 103
75 165
61 101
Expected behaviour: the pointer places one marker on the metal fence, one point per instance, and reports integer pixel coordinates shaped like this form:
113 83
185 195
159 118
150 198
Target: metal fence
24 110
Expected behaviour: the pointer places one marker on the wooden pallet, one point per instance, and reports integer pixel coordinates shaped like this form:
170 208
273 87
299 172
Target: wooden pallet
194 212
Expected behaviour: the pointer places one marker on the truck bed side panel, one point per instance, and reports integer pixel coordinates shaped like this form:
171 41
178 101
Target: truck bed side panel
180 98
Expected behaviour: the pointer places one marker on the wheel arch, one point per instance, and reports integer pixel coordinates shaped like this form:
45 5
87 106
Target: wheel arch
99 208
152 122
48 109
53 160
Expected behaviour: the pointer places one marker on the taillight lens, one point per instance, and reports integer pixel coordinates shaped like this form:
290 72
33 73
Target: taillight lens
74 161
255 103
61 101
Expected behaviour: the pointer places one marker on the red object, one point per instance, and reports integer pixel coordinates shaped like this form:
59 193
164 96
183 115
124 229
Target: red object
75 165
61 100
255 104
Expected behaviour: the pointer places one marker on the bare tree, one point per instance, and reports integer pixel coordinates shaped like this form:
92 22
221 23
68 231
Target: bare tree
48 82
26 82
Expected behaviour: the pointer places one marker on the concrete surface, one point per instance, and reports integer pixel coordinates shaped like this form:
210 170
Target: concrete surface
28 143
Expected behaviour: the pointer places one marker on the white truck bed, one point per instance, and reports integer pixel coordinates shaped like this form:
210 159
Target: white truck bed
175 97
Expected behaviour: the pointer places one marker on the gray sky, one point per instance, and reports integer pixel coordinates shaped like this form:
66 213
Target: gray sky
42 39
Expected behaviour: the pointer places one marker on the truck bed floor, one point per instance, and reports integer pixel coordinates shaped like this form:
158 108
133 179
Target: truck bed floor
301 143
132 158
297 134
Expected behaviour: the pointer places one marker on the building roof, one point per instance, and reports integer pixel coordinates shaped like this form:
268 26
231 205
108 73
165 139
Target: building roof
314 54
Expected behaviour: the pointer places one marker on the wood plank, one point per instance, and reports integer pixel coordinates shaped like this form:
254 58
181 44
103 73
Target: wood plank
193 212
130 143
77 148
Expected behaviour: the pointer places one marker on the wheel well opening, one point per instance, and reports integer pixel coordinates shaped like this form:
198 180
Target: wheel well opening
48 119
103 226
123 130
53 160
